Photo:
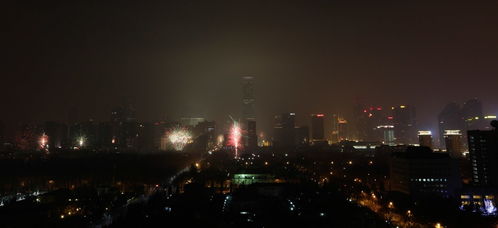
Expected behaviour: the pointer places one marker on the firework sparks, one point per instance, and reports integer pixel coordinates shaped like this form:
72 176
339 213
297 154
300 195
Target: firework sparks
81 141
43 141
234 137
179 138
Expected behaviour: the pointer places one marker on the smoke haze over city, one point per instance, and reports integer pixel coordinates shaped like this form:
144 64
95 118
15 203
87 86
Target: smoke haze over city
249 113
186 58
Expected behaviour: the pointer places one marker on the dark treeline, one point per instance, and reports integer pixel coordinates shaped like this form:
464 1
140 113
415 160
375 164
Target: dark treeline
64 170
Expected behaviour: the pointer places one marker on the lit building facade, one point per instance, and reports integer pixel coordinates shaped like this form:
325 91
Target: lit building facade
252 178
387 134
425 138
483 153
366 121
453 142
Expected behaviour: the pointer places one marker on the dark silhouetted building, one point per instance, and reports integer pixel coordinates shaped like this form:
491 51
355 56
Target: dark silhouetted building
472 109
124 127
251 139
419 172
249 134
105 139
302 135
474 117
2 133
317 128
450 118
248 100
284 130
403 118
57 134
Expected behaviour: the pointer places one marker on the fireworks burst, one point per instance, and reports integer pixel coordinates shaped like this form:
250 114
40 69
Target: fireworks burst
235 136
43 141
179 138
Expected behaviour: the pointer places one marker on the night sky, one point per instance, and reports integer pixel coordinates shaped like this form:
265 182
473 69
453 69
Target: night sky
185 58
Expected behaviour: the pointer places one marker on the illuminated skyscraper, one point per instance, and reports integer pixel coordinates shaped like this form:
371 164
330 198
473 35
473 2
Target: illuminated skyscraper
367 119
387 134
340 129
343 129
335 129
483 147
453 142
425 138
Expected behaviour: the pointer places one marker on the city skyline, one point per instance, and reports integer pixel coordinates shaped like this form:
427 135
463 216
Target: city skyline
249 113
319 57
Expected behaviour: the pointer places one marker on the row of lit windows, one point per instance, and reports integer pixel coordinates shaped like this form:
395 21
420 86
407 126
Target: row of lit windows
428 179
490 197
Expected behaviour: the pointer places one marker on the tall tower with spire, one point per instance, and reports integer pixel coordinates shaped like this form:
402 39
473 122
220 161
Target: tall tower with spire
248 113
248 99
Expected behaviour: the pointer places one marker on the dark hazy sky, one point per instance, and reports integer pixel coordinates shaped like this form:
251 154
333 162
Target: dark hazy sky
185 58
